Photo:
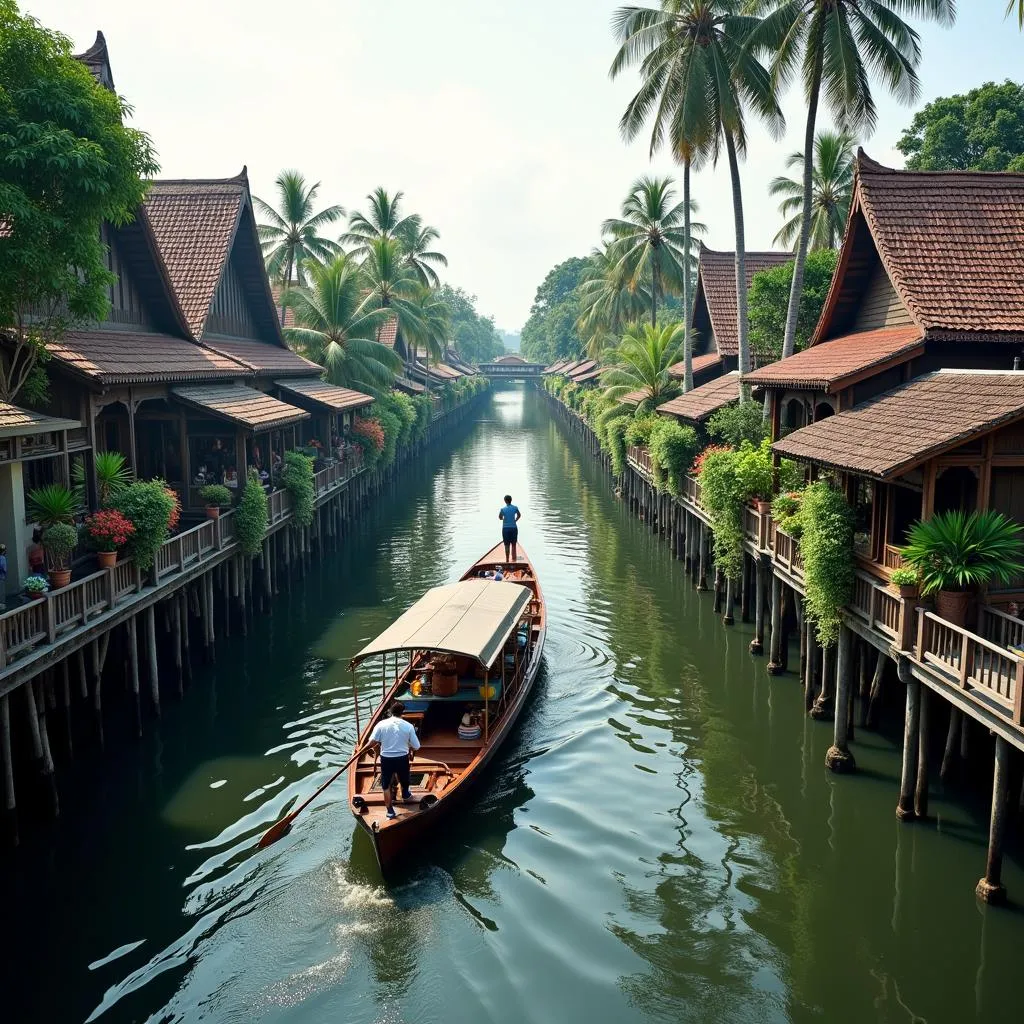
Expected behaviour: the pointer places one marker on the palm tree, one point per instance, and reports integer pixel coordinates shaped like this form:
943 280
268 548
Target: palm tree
392 285
838 45
608 299
417 239
830 201
336 326
292 237
642 360
650 237
433 331
384 220
1019 4
699 76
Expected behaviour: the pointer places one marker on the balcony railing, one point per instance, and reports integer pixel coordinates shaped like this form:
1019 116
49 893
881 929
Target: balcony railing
786 550
879 607
641 458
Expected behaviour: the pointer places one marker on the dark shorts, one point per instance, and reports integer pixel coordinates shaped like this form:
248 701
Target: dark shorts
510 534
391 766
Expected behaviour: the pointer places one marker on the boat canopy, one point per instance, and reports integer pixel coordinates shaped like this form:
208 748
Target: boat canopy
473 618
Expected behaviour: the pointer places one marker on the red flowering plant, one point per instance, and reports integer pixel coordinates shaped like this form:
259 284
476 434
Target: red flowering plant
175 518
698 463
371 437
109 529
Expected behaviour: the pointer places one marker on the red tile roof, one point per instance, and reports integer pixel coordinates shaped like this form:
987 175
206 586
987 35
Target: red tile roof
708 361
584 366
828 365
387 333
952 243
247 407
115 357
924 417
557 367
635 397
700 403
590 375
327 396
511 360
262 358
277 291
716 280
194 223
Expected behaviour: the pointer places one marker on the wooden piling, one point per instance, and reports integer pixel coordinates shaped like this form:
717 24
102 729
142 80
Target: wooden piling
824 704
176 632
730 600
990 889
745 588
133 661
760 587
774 665
908 776
154 670
704 557
10 804
952 743
811 668
875 697
923 737
839 759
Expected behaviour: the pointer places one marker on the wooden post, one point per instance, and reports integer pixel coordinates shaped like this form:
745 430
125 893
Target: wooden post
176 631
41 739
68 732
811 667
97 701
154 672
185 638
133 658
952 743
875 697
839 758
704 546
10 805
774 665
823 707
911 725
745 590
83 678
761 583
921 787
990 889
728 619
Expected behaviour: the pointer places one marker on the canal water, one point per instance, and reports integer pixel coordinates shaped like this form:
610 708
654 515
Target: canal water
659 840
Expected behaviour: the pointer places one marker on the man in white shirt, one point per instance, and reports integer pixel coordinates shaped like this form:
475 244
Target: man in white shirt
396 740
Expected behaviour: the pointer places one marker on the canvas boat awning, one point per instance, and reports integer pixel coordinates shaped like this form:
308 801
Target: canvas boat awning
473 618
243 406
328 397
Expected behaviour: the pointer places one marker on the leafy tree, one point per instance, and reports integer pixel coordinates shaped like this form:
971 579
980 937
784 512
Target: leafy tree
432 332
652 245
383 219
474 336
835 46
982 130
417 239
292 237
642 360
67 164
738 423
336 326
769 303
550 333
831 193
608 300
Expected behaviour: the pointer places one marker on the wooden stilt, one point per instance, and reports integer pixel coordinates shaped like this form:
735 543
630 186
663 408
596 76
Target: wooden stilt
10 803
704 557
911 725
952 743
154 670
811 668
133 663
824 706
176 631
990 889
864 682
745 588
839 758
875 697
68 732
719 590
185 638
774 665
83 678
41 739
97 679
207 615
923 736
730 586
761 585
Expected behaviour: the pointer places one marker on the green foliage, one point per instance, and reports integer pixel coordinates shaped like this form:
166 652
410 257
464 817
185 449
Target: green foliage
473 336
615 434
641 362
904 577
112 475
59 541
768 301
754 470
67 164
638 433
405 409
215 496
981 130
739 422
957 551
786 513
34 585
297 477
792 475
148 505
672 446
251 515
52 503
393 425
424 411
550 333
722 498
826 547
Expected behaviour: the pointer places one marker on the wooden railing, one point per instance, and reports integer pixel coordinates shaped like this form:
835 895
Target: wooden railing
641 458
691 490
786 550
892 557
1000 628
972 661
878 606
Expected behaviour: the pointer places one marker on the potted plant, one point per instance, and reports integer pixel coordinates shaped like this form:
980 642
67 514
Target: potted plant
35 586
59 541
954 553
108 530
906 581
216 497
53 503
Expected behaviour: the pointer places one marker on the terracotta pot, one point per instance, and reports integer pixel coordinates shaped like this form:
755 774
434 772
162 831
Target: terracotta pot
59 578
764 507
954 605
908 590
213 511
107 559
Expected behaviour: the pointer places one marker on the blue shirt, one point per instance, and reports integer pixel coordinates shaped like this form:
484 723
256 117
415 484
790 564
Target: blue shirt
508 516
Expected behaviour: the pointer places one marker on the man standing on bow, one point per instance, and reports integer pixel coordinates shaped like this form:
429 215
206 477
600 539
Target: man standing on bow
510 516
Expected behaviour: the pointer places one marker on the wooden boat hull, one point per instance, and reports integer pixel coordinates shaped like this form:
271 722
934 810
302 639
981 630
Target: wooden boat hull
394 841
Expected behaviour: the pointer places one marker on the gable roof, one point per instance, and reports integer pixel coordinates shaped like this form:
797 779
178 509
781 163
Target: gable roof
244 406
701 364
262 359
897 430
951 242
580 369
716 287
834 364
198 223
97 60
387 333
325 395
700 403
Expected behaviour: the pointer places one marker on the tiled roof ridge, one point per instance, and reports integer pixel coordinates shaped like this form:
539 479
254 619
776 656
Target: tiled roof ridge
165 276
96 52
240 180
865 165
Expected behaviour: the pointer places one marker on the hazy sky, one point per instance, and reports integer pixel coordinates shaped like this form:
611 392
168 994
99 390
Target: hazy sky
497 120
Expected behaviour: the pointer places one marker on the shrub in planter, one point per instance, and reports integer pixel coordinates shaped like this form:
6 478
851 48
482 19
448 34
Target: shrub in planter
955 553
638 433
786 512
175 520
698 462
148 505
755 471
826 548
215 497
251 515
35 586
108 530
297 477
58 542
906 581
672 446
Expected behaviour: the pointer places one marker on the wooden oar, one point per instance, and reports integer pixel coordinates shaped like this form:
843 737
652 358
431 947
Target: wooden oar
284 826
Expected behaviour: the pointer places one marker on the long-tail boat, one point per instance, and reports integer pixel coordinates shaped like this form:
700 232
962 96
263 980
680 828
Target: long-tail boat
462 660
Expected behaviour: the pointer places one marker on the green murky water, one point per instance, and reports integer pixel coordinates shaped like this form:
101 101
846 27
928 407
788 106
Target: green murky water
659 841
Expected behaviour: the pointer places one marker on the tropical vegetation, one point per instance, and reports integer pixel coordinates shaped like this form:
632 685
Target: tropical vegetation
148 506
641 363
251 515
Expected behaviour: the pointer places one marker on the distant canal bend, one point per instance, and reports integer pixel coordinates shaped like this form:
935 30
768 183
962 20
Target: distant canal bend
658 842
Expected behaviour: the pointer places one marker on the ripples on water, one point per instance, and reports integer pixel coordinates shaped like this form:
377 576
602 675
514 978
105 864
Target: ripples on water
658 842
